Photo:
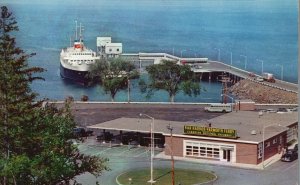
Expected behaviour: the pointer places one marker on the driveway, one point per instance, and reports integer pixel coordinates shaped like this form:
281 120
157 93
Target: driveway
123 158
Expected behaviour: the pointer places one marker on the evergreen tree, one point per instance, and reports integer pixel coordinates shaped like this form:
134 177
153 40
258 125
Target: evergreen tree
35 145
16 99
172 78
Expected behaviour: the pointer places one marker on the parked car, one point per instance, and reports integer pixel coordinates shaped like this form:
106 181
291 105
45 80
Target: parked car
289 156
259 79
282 110
295 109
106 136
81 132
296 148
271 110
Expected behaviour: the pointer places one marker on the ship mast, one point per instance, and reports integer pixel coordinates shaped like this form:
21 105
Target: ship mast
76 27
80 34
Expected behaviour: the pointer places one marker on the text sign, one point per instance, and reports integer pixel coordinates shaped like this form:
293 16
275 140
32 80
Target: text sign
209 131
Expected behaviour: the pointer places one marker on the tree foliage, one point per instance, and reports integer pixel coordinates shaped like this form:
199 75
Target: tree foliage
35 145
172 78
113 74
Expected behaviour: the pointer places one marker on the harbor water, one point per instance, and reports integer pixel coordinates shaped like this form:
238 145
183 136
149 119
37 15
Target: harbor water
253 31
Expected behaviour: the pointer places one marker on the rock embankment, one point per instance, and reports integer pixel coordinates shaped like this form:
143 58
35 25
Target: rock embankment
246 89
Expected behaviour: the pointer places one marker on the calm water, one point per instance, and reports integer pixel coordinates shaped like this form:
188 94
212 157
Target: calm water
264 30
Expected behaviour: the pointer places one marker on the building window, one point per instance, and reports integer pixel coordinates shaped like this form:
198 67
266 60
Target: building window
110 50
275 141
280 139
203 150
268 144
259 151
195 151
118 49
189 150
216 153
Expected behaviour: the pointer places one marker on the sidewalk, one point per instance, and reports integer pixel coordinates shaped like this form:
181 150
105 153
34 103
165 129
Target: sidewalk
267 162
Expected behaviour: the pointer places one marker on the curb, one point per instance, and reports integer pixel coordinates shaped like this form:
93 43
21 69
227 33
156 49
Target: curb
211 181
203 183
118 177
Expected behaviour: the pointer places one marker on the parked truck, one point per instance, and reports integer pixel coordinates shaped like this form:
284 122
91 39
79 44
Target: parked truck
269 77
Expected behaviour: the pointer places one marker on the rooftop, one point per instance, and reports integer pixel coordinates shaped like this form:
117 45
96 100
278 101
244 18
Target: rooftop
242 121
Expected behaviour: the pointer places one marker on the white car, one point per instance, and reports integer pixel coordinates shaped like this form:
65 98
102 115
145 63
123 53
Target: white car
259 79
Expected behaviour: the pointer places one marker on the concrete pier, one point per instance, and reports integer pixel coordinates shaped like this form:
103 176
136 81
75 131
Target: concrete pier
205 69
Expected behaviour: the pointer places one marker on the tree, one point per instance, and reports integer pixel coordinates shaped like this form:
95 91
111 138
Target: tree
15 98
113 75
172 78
55 159
35 143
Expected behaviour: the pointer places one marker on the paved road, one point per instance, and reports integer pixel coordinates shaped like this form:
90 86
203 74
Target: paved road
123 159
89 114
218 66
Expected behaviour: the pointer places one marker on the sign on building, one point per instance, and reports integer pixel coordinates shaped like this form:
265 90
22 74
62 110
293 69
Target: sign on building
209 131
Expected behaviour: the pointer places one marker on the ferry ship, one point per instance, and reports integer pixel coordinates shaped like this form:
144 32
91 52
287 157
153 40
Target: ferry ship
76 60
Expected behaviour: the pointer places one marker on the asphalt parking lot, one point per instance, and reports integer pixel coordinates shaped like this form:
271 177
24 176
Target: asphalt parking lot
113 150
123 157
128 157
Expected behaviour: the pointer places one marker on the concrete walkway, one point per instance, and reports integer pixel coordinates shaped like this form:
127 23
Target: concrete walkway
267 162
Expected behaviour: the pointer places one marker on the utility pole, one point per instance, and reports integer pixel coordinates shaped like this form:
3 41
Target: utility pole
169 127
245 61
262 65
219 54
281 70
230 59
225 80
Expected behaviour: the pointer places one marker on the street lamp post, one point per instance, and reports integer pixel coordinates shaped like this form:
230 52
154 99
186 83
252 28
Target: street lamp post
230 98
182 52
152 147
169 127
281 70
230 59
263 143
219 54
262 65
245 60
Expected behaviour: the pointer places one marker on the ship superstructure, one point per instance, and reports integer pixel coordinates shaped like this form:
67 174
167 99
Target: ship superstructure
76 60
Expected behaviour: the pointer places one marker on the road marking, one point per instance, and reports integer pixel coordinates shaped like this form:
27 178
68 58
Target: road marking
122 153
141 153
102 151
128 150
134 151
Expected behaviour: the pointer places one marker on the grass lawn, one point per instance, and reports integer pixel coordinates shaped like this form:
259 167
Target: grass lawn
164 177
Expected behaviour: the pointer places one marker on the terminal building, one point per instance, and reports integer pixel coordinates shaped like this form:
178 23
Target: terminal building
107 49
246 137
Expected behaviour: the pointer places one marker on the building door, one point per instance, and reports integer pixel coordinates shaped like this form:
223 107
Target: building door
226 155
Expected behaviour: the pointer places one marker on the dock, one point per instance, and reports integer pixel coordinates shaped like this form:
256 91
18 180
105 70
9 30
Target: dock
206 69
